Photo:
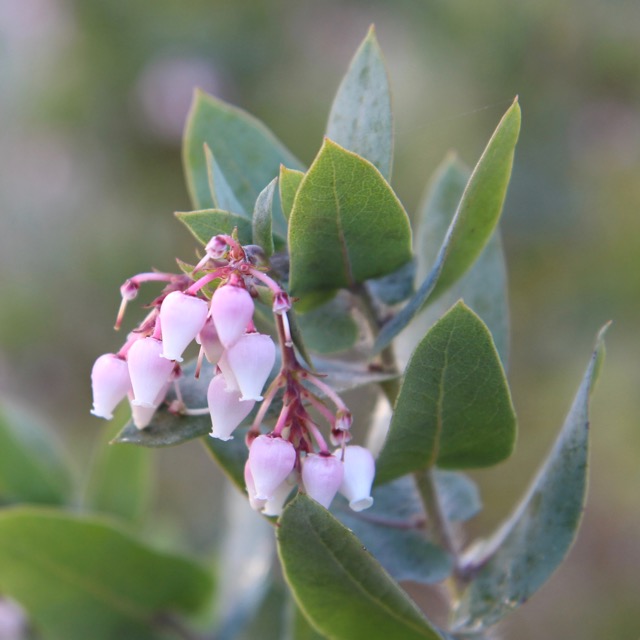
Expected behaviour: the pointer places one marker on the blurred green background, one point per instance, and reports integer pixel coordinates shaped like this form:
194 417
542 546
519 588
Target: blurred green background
92 103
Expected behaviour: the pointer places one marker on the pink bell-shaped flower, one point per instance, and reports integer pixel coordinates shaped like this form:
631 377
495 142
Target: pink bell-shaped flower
275 505
251 359
142 415
109 382
149 372
271 460
322 476
209 341
226 409
231 309
256 505
359 471
182 317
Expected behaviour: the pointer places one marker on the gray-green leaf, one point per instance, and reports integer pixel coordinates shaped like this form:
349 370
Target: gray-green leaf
454 408
511 566
222 195
339 586
360 118
289 182
347 225
210 222
472 226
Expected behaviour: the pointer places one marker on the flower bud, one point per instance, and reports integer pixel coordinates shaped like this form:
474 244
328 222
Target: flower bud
359 471
149 372
281 303
182 317
208 339
231 309
271 460
216 247
251 359
226 409
322 476
110 382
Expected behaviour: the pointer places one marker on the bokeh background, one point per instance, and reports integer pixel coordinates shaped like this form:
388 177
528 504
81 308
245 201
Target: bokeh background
93 97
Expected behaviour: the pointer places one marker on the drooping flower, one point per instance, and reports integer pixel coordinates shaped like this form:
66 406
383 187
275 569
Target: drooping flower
359 471
271 459
226 408
110 382
251 359
182 317
231 309
322 476
148 370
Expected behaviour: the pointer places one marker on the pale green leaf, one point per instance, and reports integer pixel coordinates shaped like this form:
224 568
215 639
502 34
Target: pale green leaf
454 408
521 556
360 118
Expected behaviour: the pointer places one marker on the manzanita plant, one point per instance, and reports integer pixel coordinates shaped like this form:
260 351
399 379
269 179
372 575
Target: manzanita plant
307 282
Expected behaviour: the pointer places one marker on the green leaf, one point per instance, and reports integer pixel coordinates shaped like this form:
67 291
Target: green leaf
210 222
521 556
360 118
345 593
80 578
290 180
454 408
120 480
329 328
393 532
484 286
262 214
346 226
473 224
222 196
32 466
248 154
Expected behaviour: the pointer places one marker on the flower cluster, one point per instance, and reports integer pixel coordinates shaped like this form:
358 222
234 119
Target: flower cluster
220 320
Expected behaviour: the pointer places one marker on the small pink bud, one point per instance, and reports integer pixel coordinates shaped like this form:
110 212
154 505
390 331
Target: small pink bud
344 420
129 290
216 247
271 460
281 303
182 317
226 409
251 360
110 383
322 477
149 372
208 339
359 471
231 309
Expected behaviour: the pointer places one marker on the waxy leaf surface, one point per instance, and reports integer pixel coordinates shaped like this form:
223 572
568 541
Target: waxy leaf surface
526 550
248 154
360 118
346 226
473 224
339 586
80 578
454 407
32 466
